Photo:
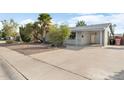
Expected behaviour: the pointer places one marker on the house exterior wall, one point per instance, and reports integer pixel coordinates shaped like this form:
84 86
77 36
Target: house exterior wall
84 38
106 36
70 42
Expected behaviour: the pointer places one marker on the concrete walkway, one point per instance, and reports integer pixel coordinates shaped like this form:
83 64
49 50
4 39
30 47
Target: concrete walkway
32 69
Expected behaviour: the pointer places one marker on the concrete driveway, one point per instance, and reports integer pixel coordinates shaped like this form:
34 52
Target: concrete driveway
3 75
17 66
7 72
90 62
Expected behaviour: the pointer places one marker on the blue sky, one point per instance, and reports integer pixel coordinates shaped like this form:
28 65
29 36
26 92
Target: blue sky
70 18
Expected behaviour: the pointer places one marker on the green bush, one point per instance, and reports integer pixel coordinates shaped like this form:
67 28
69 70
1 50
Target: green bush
58 36
25 33
55 38
25 37
18 38
10 41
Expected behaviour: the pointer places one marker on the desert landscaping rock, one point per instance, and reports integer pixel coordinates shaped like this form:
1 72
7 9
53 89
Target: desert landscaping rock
28 49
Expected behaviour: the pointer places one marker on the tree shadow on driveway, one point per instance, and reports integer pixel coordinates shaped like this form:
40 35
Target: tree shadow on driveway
115 47
117 76
79 47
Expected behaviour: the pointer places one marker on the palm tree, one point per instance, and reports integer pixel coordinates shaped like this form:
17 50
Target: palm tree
80 23
44 20
37 33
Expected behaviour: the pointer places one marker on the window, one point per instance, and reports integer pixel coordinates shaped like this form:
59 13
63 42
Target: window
82 36
73 35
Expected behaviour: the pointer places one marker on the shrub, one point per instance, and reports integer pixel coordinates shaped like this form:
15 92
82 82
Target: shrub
10 41
25 34
18 38
55 38
58 36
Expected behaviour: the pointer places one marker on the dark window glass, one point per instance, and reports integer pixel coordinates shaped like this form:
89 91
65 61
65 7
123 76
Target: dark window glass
73 35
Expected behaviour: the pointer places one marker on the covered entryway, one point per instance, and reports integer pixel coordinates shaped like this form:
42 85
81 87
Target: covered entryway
96 37
93 38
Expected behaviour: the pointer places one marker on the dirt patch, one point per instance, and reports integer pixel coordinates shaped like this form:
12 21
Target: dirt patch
29 49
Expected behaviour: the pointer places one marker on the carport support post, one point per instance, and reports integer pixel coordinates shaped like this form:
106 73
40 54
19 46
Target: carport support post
101 38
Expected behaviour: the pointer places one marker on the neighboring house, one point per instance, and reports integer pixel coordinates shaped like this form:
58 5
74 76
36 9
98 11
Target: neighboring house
91 34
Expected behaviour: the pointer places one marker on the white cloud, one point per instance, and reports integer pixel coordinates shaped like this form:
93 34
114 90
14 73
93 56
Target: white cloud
117 19
26 21
52 21
59 22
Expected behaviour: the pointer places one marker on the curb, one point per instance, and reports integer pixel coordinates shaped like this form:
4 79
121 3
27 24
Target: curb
11 72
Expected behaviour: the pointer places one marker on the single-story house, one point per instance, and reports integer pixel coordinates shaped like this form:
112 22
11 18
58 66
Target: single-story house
91 34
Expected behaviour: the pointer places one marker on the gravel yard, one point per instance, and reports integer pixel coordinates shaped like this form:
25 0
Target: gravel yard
29 49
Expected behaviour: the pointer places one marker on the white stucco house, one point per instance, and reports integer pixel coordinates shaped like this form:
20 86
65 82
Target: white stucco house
91 34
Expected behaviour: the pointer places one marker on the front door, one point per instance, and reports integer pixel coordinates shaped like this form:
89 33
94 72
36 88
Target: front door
93 38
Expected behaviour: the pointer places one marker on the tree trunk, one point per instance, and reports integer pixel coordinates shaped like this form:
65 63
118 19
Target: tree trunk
44 35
